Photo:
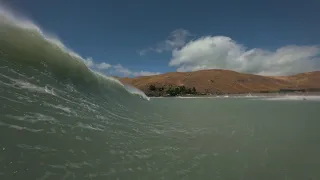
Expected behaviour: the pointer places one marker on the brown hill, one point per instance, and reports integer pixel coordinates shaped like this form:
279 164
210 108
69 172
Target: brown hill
224 82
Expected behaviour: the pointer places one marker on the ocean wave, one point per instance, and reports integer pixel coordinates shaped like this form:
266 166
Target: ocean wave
23 42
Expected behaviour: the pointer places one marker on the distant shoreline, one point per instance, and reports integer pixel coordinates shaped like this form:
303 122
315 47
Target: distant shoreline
248 94
218 82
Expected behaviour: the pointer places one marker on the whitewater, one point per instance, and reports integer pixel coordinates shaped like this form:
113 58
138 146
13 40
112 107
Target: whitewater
61 120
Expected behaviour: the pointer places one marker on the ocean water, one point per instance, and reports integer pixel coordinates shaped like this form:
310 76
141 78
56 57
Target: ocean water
59 121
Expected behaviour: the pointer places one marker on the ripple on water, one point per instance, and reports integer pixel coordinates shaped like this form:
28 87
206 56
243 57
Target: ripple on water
88 126
62 108
87 139
111 171
67 175
46 175
20 128
34 118
36 147
52 130
79 138
77 165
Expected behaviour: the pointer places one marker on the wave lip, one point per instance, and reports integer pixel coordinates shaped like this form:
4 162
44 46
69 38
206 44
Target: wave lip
136 91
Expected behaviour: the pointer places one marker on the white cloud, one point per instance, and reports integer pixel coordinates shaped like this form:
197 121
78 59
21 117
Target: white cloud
103 66
120 69
175 40
126 72
116 69
93 65
220 52
145 73
89 62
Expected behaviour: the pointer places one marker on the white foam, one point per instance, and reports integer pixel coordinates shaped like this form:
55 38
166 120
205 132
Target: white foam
63 108
88 126
22 84
31 87
20 128
36 147
34 118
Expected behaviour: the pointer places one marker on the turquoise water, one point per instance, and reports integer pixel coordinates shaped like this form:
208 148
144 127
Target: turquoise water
59 120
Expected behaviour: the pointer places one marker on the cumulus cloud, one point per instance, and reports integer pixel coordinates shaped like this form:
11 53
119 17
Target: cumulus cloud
103 66
126 72
116 69
220 52
120 69
145 73
176 39
93 65
89 62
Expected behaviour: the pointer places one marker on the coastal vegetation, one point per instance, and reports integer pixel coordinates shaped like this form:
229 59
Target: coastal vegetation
173 90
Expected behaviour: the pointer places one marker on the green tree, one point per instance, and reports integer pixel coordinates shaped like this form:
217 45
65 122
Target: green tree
152 87
189 91
182 89
194 91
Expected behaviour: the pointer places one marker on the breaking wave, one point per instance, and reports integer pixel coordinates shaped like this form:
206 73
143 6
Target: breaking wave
24 44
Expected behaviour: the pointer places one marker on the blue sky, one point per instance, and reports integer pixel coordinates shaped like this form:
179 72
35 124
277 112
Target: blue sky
141 36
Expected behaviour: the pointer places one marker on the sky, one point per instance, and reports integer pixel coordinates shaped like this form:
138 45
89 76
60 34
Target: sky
145 37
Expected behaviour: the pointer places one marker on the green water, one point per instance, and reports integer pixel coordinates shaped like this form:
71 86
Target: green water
170 139
60 121
247 139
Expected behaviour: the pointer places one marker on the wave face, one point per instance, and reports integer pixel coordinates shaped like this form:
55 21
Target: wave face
25 44
50 99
